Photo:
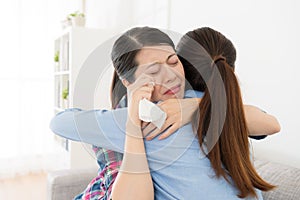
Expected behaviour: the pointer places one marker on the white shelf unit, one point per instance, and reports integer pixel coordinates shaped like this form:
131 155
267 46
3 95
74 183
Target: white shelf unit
74 45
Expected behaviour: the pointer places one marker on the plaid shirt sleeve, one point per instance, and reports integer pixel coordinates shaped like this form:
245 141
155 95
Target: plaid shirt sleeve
101 186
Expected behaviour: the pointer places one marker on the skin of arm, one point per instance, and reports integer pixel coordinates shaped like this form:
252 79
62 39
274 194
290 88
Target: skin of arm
259 122
134 180
180 112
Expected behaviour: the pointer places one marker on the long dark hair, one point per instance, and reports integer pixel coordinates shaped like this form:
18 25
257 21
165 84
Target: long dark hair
124 52
222 125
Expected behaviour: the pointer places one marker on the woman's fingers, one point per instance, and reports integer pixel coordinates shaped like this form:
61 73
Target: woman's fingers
169 132
145 124
138 90
141 81
154 133
148 129
143 92
157 131
179 113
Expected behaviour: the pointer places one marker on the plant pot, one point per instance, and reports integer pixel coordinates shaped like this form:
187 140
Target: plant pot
78 21
66 23
65 103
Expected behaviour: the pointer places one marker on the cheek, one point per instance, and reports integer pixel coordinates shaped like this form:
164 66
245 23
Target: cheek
181 70
180 75
156 95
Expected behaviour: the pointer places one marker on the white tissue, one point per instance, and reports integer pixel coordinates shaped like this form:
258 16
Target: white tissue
149 112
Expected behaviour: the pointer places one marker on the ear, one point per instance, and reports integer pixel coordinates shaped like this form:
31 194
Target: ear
125 83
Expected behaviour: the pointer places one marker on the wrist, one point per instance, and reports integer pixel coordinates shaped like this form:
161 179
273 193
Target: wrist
194 104
133 120
133 128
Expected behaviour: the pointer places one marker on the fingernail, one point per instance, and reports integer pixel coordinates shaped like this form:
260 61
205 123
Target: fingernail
160 138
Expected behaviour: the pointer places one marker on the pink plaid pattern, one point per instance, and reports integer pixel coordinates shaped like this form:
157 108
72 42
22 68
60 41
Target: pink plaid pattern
100 187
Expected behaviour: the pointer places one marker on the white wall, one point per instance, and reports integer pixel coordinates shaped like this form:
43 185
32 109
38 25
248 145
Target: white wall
121 15
266 36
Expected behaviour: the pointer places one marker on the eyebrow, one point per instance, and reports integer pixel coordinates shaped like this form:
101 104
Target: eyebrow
154 63
170 56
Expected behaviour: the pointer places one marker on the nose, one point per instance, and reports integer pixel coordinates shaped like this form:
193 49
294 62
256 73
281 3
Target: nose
167 75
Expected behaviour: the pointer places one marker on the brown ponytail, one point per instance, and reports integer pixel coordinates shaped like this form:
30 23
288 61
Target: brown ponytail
232 147
222 126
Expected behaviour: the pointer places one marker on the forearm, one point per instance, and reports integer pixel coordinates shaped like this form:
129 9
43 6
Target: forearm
104 128
98 127
259 122
134 179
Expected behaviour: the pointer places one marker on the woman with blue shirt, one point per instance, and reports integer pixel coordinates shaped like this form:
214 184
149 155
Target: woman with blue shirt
180 169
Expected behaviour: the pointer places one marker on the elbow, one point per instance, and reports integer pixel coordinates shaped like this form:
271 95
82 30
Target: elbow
59 125
56 122
275 127
56 127
63 124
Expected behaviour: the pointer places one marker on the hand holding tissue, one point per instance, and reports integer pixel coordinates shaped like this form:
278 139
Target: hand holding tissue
150 112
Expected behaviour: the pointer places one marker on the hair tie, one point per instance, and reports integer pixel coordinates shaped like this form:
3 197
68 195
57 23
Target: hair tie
219 58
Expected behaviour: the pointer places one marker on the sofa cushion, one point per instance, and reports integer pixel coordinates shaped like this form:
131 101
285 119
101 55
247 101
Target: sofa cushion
286 178
66 184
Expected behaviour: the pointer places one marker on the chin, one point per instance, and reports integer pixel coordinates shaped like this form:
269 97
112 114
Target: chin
178 95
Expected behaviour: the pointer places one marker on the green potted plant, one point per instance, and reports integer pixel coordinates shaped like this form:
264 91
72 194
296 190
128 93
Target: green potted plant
65 95
78 18
56 60
56 56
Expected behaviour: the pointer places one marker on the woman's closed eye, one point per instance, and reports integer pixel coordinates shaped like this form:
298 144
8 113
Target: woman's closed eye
153 70
173 60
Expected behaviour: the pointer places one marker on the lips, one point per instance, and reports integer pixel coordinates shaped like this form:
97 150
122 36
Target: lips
173 90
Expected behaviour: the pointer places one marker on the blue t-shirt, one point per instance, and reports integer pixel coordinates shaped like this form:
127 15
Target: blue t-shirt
179 168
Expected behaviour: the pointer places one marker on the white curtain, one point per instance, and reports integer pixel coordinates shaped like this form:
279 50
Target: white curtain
28 30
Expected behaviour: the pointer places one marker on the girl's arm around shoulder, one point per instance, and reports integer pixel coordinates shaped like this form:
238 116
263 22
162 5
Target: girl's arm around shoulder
98 127
260 122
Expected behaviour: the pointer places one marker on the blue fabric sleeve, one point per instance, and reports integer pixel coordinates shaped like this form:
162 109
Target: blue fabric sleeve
98 127
101 128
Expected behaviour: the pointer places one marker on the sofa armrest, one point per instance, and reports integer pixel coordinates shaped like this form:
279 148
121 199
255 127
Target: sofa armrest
286 178
66 184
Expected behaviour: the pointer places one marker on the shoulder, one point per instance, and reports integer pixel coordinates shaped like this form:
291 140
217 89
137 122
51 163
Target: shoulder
193 94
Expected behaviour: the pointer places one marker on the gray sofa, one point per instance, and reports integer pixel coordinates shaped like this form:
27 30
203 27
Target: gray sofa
65 184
